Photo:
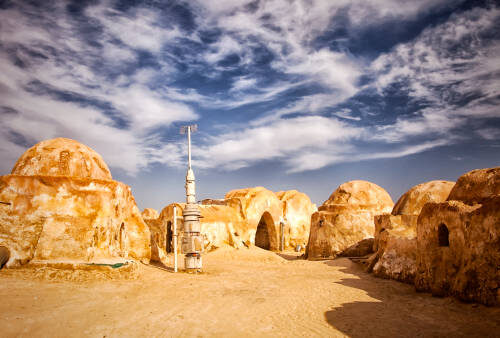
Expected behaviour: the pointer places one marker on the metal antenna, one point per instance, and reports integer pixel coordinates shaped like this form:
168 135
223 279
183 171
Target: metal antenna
192 243
189 129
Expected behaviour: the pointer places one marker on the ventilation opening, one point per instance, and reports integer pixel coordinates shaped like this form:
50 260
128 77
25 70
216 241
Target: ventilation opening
262 235
443 235
122 237
168 239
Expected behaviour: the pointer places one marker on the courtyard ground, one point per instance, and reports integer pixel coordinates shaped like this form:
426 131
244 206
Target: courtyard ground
246 292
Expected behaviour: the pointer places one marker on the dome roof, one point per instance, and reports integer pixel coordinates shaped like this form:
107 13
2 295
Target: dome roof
150 213
412 201
291 194
360 193
476 185
62 157
251 193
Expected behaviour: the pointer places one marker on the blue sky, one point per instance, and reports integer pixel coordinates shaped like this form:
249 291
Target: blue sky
287 94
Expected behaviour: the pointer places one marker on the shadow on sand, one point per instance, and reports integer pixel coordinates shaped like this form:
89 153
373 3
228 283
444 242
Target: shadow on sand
160 266
290 256
395 309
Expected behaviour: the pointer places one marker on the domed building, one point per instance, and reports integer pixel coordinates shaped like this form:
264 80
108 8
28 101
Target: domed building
346 218
244 217
458 241
297 211
60 204
395 233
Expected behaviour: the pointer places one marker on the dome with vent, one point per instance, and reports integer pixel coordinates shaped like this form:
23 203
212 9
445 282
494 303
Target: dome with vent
412 202
476 185
360 193
62 157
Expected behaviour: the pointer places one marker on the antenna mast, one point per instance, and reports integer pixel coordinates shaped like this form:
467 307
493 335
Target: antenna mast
192 243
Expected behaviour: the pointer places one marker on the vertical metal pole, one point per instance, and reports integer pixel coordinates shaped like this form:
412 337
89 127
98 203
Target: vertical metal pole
175 238
282 226
192 242
189 147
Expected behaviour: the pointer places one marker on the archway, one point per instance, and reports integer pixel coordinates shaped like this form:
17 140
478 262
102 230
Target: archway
168 239
443 235
266 235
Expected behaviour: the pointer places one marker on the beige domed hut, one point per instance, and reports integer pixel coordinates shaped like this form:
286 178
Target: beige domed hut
149 213
245 217
60 204
346 218
395 233
297 211
458 241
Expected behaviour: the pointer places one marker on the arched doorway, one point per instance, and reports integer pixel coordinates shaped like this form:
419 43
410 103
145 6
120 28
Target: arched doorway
443 235
168 239
266 233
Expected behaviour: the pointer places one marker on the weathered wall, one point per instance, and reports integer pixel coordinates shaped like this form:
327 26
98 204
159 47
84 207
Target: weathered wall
297 211
346 218
458 241
395 234
64 207
70 219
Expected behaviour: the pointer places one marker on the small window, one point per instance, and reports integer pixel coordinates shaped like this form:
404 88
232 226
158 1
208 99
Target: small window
443 235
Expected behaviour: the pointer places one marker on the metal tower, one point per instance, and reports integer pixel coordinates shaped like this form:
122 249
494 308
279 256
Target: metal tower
192 242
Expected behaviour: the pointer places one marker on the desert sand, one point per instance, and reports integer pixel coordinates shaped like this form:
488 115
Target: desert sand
246 292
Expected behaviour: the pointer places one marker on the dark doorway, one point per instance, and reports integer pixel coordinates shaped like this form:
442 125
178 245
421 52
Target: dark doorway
443 235
168 240
262 235
122 237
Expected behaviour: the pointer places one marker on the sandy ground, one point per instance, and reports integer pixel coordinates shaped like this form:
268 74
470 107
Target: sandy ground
247 292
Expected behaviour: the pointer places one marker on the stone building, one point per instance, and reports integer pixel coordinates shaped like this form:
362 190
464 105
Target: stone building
395 233
297 211
244 217
458 241
346 218
60 204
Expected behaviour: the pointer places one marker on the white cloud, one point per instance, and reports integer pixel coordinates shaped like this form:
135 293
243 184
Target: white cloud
139 30
283 139
445 62
346 114
68 67
489 133
443 66
243 83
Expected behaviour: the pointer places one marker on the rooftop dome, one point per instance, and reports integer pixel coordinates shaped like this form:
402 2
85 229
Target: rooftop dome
412 202
62 157
476 185
360 193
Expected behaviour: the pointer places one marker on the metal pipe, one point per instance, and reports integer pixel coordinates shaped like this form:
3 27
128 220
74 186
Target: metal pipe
189 146
175 238
282 244
4 256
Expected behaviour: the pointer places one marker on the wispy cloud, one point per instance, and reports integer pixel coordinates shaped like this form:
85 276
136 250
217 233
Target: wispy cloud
57 84
118 80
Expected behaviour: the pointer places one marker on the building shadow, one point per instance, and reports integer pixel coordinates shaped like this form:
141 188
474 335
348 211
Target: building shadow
161 266
290 256
395 309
